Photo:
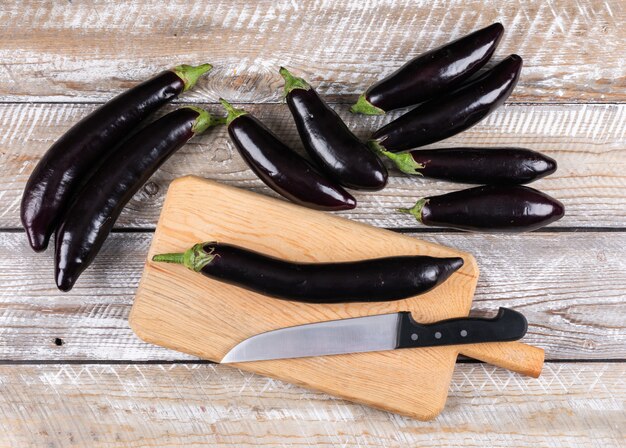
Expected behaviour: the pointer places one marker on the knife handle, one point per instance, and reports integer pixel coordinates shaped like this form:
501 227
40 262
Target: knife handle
515 356
508 325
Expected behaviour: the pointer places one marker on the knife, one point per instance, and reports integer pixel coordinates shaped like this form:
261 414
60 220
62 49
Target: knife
376 333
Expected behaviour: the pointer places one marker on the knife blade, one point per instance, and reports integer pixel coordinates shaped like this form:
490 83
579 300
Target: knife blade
376 333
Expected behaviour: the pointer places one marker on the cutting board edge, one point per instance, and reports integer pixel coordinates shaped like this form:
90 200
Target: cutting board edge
423 417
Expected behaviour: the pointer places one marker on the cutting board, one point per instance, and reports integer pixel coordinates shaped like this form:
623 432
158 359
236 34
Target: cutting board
185 311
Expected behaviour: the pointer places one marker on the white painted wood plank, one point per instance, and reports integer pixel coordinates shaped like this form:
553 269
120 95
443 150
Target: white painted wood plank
570 286
588 141
570 405
86 51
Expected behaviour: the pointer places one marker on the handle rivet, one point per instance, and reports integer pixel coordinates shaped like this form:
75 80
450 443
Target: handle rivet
414 337
438 335
463 333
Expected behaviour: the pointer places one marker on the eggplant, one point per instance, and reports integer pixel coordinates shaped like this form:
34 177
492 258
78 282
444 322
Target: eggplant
489 208
431 73
493 166
329 142
373 280
443 117
282 169
94 211
67 165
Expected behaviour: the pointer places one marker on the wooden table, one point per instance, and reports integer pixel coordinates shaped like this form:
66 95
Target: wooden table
72 373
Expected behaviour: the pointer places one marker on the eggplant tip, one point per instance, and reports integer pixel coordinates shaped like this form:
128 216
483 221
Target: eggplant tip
551 165
559 210
456 263
350 202
64 283
449 266
65 274
381 177
37 242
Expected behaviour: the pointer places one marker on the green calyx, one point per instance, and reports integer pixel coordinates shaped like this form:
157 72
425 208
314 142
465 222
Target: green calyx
376 147
205 120
232 112
362 106
190 73
195 258
292 82
404 162
416 210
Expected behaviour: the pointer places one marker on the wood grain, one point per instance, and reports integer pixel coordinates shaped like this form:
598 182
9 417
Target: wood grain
570 286
86 51
141 406
588 141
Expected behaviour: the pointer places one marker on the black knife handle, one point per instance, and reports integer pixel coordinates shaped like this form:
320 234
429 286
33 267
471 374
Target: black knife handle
508 325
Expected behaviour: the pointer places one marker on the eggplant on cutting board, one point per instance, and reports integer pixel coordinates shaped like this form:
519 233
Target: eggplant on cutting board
371 280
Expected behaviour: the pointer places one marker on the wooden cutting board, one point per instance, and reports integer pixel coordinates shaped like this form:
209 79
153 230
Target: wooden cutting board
185 311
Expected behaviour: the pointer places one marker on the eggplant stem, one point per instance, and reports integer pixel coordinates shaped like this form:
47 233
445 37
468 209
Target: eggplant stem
176 258
375 146
292 82
404 162
232 112
190 74
416 210
362 106
195 258
205 120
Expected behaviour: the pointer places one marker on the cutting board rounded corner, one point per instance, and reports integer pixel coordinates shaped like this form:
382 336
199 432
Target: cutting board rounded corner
471 263
135 324
188 179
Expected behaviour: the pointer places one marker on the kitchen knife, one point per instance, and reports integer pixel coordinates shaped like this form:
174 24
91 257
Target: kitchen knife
376 333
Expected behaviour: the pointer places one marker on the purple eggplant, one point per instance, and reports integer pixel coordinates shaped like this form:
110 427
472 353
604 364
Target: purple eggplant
281 168
67 165
329 142
489 208
431 73
373 280
450 114
493 166
95 209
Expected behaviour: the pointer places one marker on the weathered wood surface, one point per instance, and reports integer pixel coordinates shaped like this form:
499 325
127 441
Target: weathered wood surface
588 141
570 286
84 51
570 405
